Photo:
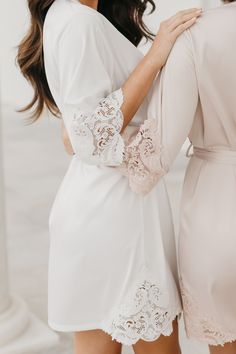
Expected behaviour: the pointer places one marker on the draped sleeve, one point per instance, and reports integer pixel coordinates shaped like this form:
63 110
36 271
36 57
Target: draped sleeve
171 112
90 105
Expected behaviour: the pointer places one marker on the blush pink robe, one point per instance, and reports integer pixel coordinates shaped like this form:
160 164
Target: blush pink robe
195 97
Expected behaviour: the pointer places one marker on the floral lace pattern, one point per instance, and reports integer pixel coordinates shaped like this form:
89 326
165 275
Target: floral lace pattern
201 326
143 163
143 316
98 134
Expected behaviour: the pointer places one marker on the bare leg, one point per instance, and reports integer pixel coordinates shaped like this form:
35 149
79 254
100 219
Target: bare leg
164 345
95 342
229 348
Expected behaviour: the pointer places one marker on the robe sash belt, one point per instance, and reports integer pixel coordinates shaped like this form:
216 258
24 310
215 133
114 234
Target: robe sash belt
227 157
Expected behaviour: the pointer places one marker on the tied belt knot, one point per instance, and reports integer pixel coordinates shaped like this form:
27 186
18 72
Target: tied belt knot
221 156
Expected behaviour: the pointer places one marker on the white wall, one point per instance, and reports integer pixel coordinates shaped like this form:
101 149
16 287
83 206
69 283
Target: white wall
13 25
211 3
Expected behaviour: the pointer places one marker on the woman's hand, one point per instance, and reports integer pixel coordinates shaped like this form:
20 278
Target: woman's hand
169 31
66 140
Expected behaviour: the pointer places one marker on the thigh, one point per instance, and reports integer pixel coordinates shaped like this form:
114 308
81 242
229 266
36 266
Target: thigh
229 348
95 342
163 345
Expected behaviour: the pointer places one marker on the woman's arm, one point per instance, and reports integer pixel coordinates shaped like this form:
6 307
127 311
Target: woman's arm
171 114
95 124
66 140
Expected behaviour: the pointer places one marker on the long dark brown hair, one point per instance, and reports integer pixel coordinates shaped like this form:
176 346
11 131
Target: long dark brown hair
125 15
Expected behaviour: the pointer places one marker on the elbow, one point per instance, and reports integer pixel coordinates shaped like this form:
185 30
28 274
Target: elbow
147 184
144 172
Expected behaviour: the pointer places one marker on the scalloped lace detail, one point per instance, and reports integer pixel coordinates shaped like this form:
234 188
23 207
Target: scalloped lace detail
143 163
98 134
201 326
142 316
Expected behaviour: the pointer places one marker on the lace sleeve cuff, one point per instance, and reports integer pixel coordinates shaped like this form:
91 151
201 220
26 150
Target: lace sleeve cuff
97 134
143 162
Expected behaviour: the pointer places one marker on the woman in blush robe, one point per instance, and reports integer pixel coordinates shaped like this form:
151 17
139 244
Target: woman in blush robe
195 97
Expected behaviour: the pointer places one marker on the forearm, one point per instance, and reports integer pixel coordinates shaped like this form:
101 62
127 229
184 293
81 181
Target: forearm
138 85
169 123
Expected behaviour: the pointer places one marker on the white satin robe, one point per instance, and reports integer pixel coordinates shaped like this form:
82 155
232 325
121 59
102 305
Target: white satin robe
112 261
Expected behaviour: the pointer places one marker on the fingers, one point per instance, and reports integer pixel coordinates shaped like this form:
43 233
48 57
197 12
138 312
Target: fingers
179 20
182 13
182 17
186 12
183 27
179 23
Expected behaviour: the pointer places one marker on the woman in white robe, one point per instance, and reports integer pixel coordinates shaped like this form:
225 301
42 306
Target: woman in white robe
112 263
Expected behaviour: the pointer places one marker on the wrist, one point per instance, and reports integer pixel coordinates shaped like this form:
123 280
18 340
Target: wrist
154 58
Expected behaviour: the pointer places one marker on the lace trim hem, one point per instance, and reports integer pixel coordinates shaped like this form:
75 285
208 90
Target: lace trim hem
143 163
145 315
98 134
202 326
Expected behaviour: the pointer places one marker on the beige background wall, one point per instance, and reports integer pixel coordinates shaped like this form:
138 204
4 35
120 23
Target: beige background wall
13 24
